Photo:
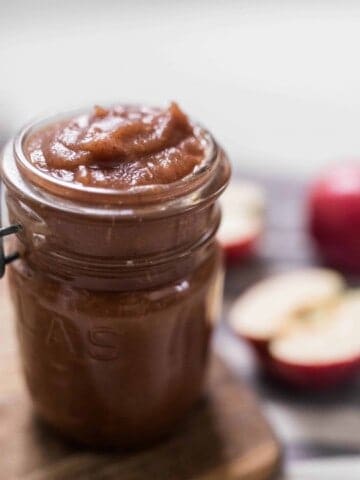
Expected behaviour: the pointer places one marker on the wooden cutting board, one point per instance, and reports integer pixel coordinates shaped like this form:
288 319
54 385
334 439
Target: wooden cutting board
225 437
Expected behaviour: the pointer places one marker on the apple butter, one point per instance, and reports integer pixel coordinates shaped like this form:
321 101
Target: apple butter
119 147
119 278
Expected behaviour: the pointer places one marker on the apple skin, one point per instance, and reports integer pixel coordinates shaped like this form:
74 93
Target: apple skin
260 348
314 377
303 377
334 216
238 251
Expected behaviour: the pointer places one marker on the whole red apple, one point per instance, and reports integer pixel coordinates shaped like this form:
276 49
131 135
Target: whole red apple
334 216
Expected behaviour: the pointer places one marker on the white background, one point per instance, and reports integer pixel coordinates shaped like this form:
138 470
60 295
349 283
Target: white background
278 82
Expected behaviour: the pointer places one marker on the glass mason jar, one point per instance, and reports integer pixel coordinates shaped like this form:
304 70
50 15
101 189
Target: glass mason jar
115 294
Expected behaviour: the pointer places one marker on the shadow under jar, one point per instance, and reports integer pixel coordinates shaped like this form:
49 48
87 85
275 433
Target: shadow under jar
116 292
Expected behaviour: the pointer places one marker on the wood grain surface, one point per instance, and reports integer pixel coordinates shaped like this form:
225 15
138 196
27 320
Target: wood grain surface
225 437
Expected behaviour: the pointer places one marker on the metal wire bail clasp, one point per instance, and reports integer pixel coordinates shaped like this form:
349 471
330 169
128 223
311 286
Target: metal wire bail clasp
5 259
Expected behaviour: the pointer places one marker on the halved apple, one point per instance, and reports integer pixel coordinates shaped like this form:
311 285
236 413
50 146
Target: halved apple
268 309
322 349
243 206
303 326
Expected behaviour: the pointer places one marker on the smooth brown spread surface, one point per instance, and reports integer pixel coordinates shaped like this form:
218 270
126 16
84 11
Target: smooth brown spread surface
119 147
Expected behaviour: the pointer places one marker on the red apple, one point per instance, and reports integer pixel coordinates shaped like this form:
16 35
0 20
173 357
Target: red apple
334 216
322 350
269 308
243 205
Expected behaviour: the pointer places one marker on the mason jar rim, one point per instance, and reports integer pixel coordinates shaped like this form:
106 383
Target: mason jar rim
188 192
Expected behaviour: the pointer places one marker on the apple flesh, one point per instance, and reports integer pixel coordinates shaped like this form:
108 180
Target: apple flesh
334 216
323 350
243 206
265 310
239 237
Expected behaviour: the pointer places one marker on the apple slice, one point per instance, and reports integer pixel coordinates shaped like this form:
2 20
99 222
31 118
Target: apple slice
243 206
267 309
323 349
